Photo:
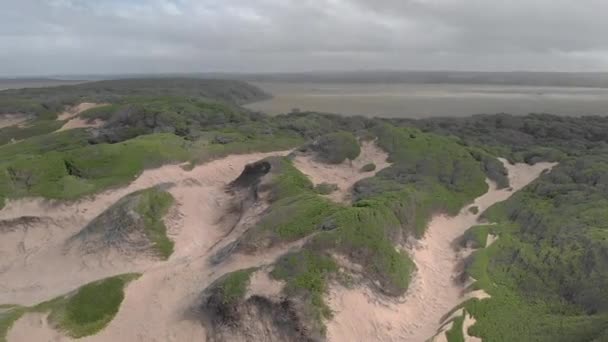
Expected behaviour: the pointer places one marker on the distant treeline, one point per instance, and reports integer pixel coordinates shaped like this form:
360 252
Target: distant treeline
557 79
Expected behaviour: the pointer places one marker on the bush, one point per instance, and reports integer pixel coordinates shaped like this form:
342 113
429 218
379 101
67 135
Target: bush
334 148
326 188
368 167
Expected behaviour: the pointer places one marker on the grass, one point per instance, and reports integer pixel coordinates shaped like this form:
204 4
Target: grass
90 308
477 236
455 334
61 166
233 286
153 206
306 274
8 315
29 129
82 313
326 188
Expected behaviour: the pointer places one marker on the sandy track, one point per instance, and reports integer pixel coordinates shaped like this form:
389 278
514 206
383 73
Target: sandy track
155 305
344 175
362 315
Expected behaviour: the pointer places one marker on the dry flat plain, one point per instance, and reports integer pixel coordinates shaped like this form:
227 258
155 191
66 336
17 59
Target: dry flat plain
430 100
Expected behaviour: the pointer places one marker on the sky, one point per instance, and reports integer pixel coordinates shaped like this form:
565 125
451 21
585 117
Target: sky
59 37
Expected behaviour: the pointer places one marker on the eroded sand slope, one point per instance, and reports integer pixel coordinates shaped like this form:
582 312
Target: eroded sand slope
363 315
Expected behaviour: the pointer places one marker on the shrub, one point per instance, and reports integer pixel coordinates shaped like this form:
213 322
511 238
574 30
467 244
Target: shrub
368 167
334 148
326 188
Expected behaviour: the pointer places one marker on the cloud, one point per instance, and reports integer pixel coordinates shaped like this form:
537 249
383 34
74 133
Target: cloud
118 36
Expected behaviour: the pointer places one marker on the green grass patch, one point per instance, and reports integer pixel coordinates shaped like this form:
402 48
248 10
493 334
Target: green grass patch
306 273
233 286
8 315
476 236
28 129
326 188
455 334
153 206
82 313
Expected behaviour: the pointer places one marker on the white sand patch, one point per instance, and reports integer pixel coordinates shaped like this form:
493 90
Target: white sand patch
262 285
157 305
362 315
33 327
74 111
491 239
7 120
80 123
345 175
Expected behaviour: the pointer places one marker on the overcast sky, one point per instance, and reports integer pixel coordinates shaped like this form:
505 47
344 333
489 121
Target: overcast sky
143 36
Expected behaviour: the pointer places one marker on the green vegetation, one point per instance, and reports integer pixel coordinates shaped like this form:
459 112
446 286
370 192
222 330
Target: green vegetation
474 210
233 286
153 206
47 102
546 273
82 313
28 129
334 148
326 188
477 236
8 315
455 333
368 167
305 273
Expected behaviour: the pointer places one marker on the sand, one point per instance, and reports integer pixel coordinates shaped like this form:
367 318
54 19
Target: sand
363 315
71 114
156 306
74 111
34 265
344 175
7 120
80 123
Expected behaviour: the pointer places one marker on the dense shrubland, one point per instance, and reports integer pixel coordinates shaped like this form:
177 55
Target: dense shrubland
548 271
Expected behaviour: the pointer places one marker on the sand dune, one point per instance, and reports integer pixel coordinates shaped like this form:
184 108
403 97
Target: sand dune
156 304
363 315
35 266
344 175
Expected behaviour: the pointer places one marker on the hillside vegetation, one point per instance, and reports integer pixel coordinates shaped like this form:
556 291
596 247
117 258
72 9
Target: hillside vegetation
546 273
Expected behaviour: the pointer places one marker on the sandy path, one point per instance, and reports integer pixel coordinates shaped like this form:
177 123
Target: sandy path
362 315
345 175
